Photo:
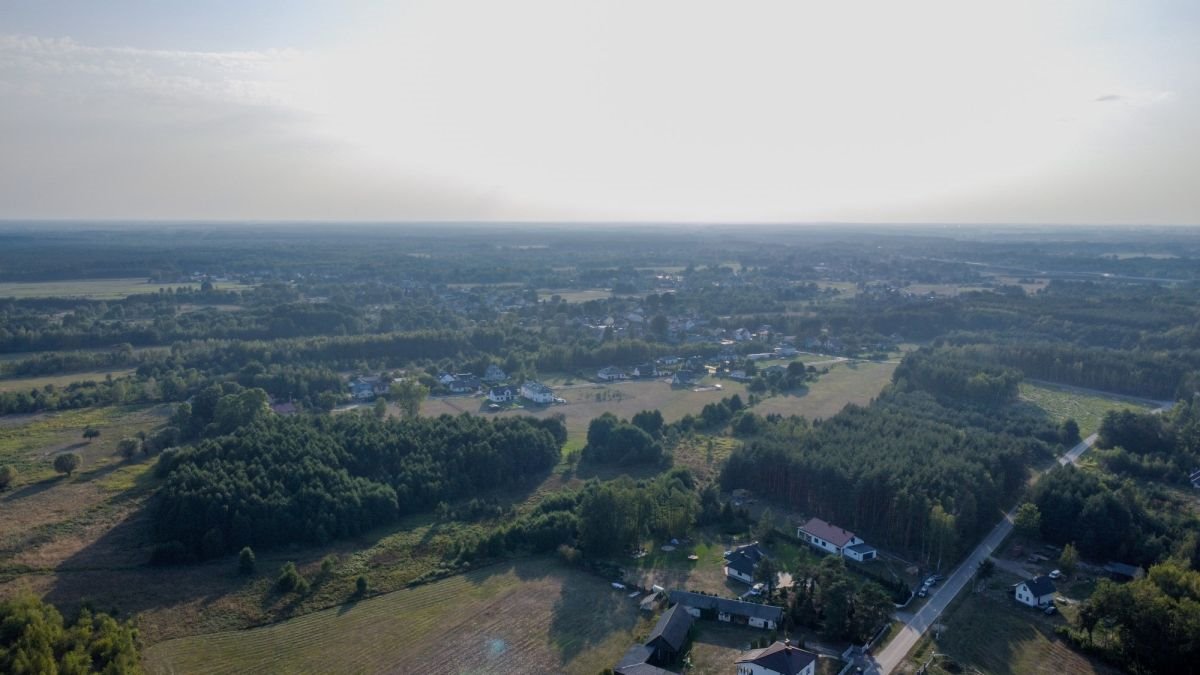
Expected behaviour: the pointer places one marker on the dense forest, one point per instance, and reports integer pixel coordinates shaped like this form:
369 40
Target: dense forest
275 481
35 640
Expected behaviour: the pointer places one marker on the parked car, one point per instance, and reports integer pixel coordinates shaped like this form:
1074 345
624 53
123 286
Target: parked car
923 592
1056 574
1050 609
757 589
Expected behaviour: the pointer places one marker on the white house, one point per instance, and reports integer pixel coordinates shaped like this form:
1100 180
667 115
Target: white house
610 374
780 658
537 392
833 539
502 394
741 562
1036 592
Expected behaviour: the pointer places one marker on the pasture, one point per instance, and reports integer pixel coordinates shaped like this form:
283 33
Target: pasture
97 289
1086 408
523 617
989 633
846 382
60 381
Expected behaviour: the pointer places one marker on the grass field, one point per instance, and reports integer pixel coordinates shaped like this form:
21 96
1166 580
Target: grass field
849 382
30 442
586 401
28 383
525 617
1086 409
989 633
96 289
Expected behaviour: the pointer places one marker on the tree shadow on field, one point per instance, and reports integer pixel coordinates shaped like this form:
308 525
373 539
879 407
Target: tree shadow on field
33 488
588 612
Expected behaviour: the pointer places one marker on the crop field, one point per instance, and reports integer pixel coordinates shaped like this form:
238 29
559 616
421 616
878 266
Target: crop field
96 289
524 617
989 633
1087 409
847 382
28 383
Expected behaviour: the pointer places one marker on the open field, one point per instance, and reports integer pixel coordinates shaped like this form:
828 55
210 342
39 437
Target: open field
586 401
524 617
28 383
1086 409
943 289
988 632
96 289
849 382
30 442
576 295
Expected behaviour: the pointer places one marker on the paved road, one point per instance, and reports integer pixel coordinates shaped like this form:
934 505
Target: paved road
915 626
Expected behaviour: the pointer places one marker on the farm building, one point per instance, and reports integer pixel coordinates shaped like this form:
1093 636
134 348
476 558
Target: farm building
836 540
732 611
1122 572
537 392
780 658
663 646
1036 592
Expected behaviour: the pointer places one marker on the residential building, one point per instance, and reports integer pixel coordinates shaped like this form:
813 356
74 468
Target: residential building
537 392
494 373
685 378
663 646
1036 592
741 562
465 383
610 374
836 540
780 658
505 394
645 370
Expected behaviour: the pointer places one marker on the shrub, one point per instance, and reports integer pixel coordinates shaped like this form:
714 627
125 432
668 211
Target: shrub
290 579
8 475
246 560
67 463
360 585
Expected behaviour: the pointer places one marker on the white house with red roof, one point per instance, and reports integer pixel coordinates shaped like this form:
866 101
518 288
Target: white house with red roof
780 658
836 540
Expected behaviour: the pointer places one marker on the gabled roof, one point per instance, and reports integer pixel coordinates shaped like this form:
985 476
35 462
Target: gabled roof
1040 586
537 388
672 627
742 563
636 654
780 658
750 609
838 536
750 550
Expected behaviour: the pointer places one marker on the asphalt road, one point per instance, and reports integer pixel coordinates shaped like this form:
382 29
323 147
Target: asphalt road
892 655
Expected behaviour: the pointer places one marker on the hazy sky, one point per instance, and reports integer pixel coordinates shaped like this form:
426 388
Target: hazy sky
1009 111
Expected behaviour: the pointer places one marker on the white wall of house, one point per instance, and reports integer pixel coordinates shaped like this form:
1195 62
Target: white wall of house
755 669
1026 597
734 574
762 623
855 555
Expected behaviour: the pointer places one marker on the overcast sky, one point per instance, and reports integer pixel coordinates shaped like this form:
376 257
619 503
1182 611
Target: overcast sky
695 110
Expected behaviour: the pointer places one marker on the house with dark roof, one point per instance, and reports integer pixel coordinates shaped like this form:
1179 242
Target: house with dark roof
740 562
662 647
494 373
780 658
645 370
836 540
685 378
506 394
670 635
464 383
733 611
1036 592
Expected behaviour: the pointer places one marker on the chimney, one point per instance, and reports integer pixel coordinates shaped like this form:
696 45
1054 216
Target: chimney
787 642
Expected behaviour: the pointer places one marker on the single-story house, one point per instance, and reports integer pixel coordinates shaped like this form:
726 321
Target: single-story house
505 394
537 392
1036 592
611 374
1122 572
493 373
780 658
645 370
685 378
733 611
741 562
830 538
445 378
464 384
669 635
